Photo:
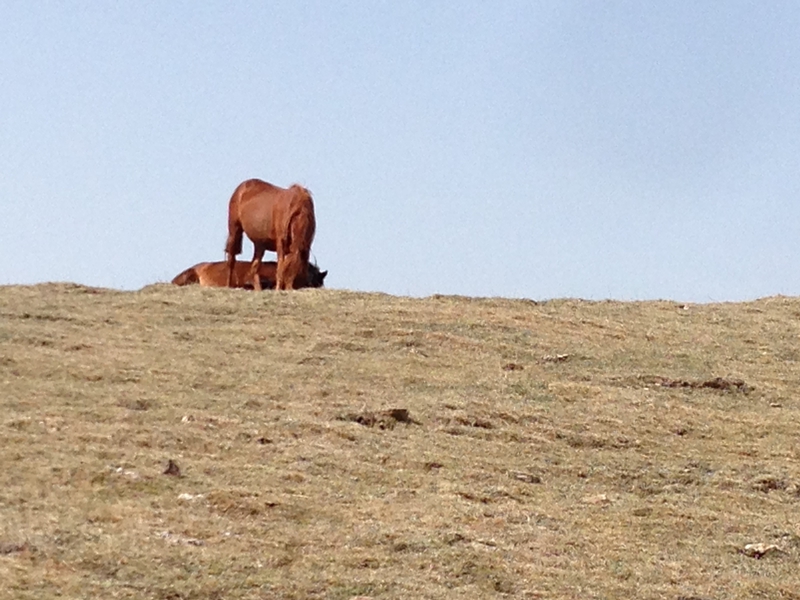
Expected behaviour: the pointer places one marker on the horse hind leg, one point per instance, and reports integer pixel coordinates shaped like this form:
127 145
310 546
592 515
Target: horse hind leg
291 272
284 278
280 275
230 264
292 266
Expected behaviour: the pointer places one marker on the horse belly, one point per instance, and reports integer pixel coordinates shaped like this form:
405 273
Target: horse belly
258 223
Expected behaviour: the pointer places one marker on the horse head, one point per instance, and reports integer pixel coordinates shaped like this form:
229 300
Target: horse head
315 277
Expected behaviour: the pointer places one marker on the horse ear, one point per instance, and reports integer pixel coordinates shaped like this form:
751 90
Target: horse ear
322 275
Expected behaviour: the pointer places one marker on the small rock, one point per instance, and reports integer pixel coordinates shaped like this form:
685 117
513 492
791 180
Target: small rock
175 538
189 497
760 550
385 419
172 469
555 358
525 477
513 367
768 483
11 547
124 472
598 500
399 414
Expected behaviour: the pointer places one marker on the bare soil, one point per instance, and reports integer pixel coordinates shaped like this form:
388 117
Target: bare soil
193 443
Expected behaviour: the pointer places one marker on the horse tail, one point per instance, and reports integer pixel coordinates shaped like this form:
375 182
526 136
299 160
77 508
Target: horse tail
295 242
188 277
233 245
301 226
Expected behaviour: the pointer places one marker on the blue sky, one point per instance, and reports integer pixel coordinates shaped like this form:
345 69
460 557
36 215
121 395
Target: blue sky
626 150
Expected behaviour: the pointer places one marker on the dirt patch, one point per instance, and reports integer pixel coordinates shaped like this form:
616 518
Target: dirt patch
717 383
385 419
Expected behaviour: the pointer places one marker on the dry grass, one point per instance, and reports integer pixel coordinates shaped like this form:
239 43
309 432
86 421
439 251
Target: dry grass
564 449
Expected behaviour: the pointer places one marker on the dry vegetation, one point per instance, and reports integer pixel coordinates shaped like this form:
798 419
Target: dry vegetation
562 449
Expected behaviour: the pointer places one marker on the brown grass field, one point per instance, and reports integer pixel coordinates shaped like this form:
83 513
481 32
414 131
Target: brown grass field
332 444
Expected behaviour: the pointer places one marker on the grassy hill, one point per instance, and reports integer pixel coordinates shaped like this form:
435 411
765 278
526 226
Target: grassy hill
330 444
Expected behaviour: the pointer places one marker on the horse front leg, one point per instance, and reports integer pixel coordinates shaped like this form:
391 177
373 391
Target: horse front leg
231 262
287 271
280 272
255 266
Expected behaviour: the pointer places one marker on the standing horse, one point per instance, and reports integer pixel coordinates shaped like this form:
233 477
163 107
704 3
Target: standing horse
276 219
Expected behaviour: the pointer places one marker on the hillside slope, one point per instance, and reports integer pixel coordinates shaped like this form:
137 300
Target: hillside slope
333 444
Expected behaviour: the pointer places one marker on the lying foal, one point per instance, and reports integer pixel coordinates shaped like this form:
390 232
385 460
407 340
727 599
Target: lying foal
215 274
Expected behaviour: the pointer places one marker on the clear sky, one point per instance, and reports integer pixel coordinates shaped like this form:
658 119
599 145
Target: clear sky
626 150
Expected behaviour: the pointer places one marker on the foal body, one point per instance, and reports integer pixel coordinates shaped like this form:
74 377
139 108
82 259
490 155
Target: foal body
215 274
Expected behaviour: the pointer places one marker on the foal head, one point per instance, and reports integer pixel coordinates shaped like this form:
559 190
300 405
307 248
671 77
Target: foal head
314 277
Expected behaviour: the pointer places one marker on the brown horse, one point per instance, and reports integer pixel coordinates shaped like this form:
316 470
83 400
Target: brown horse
276 219
215 274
